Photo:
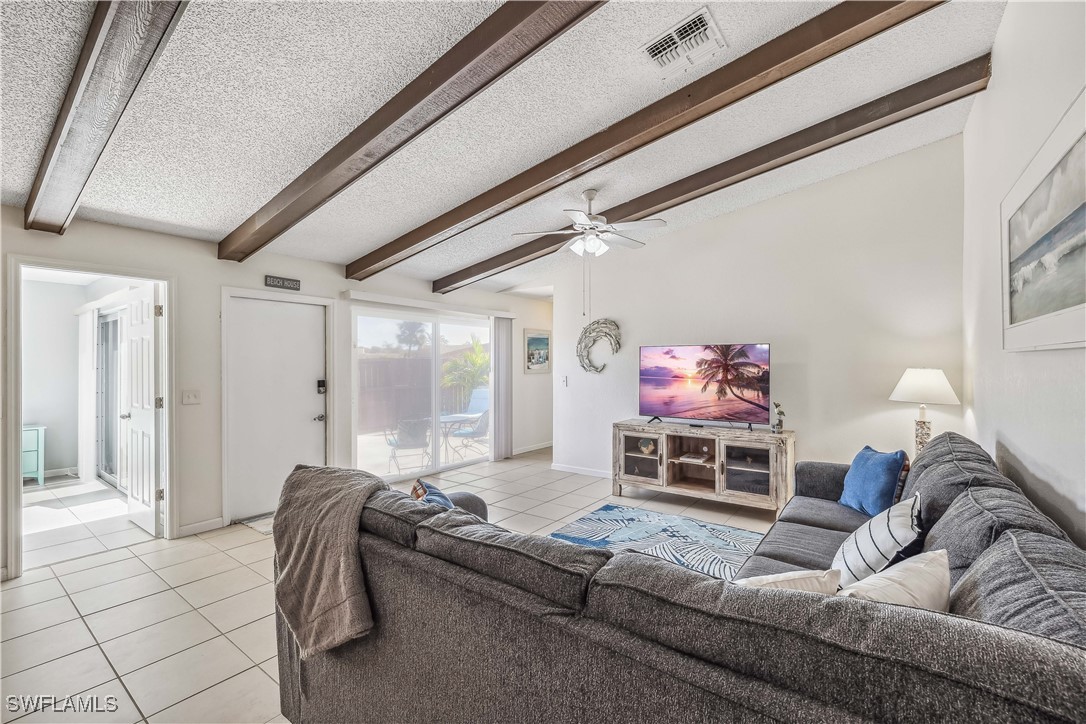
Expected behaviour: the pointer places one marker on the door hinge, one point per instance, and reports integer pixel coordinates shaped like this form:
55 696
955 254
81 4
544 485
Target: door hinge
159 404
160 494
158 310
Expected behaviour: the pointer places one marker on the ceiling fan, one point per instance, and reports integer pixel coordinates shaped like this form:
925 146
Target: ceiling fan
594 234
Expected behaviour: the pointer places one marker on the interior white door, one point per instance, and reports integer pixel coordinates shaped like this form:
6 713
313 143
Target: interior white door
139 415
275 416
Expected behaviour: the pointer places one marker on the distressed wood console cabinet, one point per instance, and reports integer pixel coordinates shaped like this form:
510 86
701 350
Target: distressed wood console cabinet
742 467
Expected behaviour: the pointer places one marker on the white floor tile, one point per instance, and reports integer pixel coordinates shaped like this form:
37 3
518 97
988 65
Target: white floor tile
256 639
252 552
548 529
551 511
519 503
236 538
45 645
248 698
35 576
63 552
152 643
575 500
41 517
271 668
34 618
126 712
224 585
221 531
24 596
524 523
82 564
197 568
62 677
100 509
159 544
542 494
230 613
101 575
105 526
114 594
166 682
496 514
178 554
128 617
55 536
126 537
265 568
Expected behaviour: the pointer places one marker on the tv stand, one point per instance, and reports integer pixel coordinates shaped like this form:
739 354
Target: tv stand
653 419
755 468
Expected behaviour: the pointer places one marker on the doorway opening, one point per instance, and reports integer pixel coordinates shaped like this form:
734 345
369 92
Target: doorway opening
91 363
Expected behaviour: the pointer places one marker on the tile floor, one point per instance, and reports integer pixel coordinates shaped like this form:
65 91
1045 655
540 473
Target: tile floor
183 630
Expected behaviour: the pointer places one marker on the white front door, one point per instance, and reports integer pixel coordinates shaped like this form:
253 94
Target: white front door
139 415
274 353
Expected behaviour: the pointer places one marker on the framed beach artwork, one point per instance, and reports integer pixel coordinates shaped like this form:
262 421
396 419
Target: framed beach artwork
1044 243
537 351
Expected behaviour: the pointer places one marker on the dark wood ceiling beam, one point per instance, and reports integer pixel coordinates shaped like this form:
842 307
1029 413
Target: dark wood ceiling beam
839 28
938 90
124 41
510 35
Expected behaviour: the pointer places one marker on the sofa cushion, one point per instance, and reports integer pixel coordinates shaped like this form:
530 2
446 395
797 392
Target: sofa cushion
946 447
976 519
1027 581
394 515
892 535
867 658
820 513
550 568
871 481
801 545
761 566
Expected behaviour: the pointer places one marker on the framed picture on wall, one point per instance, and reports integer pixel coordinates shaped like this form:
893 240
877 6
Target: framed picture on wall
537 351
1043 221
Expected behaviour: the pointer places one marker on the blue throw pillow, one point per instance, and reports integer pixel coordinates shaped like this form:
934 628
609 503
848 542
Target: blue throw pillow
430 493
871 481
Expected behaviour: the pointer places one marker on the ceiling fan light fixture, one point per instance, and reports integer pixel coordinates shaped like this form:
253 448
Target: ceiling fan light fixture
592 244
578 246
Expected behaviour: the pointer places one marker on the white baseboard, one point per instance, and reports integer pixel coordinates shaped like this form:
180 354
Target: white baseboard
581 471
62 471
532 448
201 527
3 574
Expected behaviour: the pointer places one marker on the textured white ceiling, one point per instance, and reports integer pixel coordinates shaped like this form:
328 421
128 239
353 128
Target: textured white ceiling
39 46
935 41
902 137
247 95
585 80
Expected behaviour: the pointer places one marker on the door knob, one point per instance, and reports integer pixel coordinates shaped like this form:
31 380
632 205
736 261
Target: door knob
126 416
319 418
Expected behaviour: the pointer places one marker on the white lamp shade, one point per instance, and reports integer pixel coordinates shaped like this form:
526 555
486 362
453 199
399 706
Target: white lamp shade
924 386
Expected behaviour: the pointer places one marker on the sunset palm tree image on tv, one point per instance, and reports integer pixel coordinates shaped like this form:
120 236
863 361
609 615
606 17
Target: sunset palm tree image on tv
724 382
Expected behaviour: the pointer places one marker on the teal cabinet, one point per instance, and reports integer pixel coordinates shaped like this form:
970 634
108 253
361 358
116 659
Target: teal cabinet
34 453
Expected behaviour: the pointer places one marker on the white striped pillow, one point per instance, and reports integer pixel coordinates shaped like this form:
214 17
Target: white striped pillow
874 545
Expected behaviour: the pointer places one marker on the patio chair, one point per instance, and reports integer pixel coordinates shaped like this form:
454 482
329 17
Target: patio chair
410 435
472 435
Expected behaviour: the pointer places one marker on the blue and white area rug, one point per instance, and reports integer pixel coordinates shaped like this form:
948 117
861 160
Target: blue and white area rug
715 550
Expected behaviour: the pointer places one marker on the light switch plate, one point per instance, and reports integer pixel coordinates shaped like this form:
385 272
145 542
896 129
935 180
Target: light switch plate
190 397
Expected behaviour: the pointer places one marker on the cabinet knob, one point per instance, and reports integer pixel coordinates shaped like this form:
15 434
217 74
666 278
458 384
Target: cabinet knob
126 416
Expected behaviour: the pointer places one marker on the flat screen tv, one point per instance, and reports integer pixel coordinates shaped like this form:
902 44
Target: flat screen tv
715 382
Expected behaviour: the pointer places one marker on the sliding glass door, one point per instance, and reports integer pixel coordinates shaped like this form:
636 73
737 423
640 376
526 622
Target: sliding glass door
422 391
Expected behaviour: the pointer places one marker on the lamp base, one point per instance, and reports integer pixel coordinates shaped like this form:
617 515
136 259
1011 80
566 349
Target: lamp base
922 434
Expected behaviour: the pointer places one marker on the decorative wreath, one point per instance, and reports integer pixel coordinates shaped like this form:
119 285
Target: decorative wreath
592 333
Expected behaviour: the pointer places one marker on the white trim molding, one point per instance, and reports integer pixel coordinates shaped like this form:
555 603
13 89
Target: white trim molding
201 527
532 448
581 471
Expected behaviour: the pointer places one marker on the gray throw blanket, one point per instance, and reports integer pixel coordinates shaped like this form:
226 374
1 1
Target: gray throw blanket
319 586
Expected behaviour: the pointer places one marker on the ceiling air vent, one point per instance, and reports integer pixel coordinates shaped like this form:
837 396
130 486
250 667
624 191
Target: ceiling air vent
692 41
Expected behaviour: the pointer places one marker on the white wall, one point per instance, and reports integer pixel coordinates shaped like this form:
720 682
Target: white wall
51 367
1027 408
200 277
850 281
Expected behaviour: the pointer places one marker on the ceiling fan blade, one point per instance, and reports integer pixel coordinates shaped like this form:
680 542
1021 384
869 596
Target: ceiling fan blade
578 216
642 224
620 240
546 233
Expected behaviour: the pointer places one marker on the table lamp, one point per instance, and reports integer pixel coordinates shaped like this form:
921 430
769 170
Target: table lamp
927 387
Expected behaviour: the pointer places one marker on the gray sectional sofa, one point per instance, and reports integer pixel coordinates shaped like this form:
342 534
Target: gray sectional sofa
478 624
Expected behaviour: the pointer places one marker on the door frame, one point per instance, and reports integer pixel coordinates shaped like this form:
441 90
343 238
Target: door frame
13 404
331 406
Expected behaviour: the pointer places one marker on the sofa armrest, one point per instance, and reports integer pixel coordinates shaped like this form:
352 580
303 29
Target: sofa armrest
820 480
470 502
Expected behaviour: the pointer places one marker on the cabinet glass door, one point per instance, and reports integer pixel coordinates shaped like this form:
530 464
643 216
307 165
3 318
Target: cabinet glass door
746 469
642 458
